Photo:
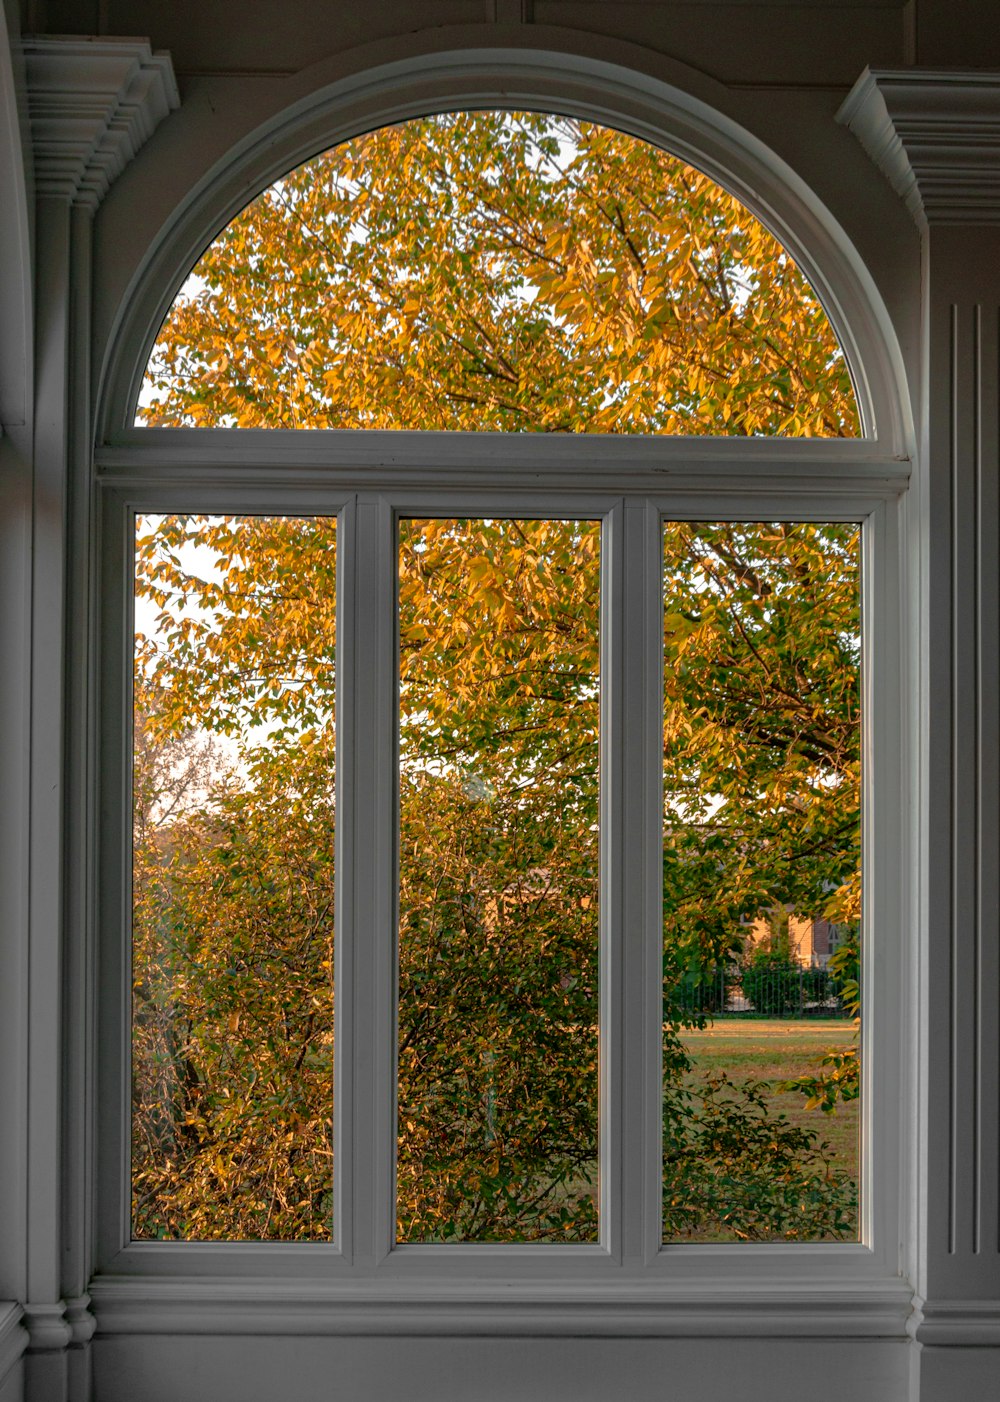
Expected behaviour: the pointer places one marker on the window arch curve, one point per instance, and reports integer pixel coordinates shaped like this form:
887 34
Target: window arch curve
625 99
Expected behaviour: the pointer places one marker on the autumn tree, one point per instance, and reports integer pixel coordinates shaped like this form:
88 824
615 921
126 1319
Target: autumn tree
504 271
511 272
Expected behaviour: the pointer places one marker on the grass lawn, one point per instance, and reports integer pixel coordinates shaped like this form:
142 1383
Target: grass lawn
774 1050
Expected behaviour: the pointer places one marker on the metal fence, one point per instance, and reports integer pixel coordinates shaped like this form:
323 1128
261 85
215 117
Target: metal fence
762 992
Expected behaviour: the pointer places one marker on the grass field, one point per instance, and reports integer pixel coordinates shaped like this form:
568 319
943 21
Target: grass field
750 1049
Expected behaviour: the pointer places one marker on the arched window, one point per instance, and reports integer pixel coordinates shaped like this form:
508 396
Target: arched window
501 734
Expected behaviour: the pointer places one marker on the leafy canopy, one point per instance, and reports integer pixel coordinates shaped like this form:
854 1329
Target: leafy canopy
507 271
504 271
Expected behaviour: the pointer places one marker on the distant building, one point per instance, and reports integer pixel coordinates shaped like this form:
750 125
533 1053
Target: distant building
810 942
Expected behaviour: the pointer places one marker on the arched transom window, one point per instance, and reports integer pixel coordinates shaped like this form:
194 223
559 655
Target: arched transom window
505 271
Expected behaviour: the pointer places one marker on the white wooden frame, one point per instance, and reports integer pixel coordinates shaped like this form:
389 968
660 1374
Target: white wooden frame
689 120
629 1283
854 1291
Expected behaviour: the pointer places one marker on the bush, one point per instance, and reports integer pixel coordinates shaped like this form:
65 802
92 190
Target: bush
699 991
773 983
816 985
732 1169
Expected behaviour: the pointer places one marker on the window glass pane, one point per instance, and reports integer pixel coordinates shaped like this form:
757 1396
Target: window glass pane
498 920
232 891
762 886
512 271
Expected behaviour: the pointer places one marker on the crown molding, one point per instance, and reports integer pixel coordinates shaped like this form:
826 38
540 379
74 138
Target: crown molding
935 135
92 103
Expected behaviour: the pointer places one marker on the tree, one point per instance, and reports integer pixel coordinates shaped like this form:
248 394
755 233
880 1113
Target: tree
233 999
504 271
496 270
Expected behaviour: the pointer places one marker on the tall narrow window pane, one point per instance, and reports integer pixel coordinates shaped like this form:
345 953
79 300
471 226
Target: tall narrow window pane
762 884
498 858
232 889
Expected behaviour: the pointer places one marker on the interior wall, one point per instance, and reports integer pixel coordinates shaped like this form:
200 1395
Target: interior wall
499 1370
779 71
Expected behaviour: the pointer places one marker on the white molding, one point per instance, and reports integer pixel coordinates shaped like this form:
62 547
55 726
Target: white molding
935 136
706 1309
13 1336
15 251
225 458
80 1318
48 1329
423 448
92 104
957 1323
547 69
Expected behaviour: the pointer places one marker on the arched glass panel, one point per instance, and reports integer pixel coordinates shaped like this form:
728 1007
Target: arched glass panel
504 271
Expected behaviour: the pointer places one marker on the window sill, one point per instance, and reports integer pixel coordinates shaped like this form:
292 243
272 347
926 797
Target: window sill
804 1303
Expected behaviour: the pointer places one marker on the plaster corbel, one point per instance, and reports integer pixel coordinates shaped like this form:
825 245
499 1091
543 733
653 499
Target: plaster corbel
92 103
935 136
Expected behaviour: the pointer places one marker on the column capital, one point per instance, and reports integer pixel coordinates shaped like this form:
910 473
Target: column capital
935 135
92 104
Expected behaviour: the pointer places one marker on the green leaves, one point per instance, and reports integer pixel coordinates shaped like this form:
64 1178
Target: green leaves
762 726
498 949
734 1170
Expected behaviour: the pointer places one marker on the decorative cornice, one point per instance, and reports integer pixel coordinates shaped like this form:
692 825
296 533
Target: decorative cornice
935 136
92 103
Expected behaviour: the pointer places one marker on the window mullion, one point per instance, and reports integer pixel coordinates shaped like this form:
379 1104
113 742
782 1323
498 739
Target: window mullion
632 854
615 1202
370 866
648 809
345 887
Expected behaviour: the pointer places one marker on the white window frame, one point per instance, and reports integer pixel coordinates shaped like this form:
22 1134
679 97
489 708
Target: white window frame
629 1283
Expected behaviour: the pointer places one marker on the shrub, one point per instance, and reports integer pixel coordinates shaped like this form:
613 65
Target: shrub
773 983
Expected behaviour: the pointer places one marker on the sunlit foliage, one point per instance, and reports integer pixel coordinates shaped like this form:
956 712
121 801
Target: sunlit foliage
762 734
479 271
233 880
499 692
494 270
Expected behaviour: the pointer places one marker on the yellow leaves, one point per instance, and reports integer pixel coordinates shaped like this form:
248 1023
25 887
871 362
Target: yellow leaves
484 290
534 308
